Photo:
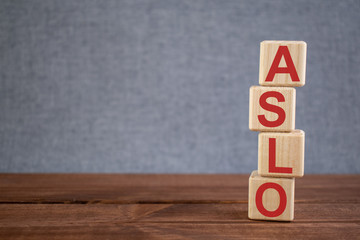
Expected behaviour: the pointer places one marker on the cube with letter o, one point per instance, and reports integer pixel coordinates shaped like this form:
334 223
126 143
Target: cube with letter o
271 198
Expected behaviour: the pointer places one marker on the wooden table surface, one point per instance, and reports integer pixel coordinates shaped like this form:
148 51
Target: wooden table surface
123 206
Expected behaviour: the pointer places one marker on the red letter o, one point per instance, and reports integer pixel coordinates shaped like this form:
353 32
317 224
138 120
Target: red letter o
259 203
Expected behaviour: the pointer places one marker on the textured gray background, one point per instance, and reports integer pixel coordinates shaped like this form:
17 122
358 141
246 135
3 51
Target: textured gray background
162 86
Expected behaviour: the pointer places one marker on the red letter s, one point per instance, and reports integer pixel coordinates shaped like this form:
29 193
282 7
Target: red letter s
272 108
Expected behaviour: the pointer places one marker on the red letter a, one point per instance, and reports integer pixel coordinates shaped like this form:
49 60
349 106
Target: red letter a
290 68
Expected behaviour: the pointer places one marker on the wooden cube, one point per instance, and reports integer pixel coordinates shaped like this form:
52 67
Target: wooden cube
281 154
272 109
282 63
271 198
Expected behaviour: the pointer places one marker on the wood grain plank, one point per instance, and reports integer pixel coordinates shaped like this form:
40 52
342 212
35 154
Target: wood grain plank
261 230
129 188
42 215
328 207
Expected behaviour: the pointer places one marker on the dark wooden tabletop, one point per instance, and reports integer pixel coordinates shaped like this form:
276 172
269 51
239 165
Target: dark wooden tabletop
122 206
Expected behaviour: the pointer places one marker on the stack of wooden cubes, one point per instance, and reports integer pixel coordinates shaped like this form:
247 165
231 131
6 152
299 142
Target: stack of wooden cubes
280 146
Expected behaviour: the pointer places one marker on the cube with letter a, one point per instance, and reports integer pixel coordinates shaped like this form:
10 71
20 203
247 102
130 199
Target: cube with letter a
282 63
272 109
271 198
281 154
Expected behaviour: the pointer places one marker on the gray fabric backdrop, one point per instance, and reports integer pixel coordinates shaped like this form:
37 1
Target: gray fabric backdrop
162 86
